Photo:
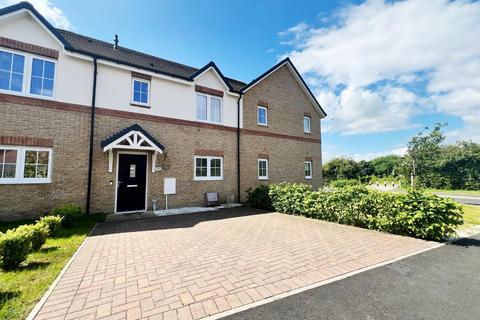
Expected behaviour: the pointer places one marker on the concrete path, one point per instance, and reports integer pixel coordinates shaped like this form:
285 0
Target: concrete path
443 283
192 266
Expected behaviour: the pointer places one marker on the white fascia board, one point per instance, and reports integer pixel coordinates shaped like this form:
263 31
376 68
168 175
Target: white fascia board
219 77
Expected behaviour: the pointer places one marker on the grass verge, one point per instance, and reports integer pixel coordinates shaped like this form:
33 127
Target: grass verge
471 216
21 289
472 193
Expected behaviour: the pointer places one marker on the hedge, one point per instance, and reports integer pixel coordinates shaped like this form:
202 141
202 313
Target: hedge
52 224
414 214
37 233
68 212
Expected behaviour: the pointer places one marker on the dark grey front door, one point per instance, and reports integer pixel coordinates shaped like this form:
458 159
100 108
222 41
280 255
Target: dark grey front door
132 182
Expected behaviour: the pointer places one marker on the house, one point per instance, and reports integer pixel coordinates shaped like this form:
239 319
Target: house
93 123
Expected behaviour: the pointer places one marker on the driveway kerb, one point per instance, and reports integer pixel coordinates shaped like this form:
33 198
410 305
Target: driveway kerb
47 294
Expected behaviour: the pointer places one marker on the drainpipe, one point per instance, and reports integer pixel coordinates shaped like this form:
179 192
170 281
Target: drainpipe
238 147
92 128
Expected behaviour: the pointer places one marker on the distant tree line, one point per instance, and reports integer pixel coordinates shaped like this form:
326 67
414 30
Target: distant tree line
431 163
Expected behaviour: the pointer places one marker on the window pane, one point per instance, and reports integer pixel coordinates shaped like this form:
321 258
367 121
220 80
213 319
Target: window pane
36 85
136 96
5 61
306 124
43 157
31 157
9 171
4 80
144 98
29 171
262 115
17 82
201 167
37 68
47 88
215 110
42 171
215 168
201 107
18 63
136 85
144 87
308 169
10 156
49 71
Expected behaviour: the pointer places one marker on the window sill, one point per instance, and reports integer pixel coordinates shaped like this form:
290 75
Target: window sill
140 105
308 178
207 179
25 182
262 125
263 179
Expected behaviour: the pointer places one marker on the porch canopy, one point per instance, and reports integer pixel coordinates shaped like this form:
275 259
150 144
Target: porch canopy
133 138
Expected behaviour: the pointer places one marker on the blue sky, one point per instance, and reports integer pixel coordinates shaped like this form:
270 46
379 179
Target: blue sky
382 70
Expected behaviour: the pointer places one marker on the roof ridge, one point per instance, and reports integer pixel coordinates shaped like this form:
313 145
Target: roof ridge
128 49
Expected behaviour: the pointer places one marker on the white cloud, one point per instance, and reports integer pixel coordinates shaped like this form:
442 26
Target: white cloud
52 13
377 52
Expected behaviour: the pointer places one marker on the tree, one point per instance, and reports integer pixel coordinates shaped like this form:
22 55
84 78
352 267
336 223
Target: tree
385 166
340 168
423 154
365 170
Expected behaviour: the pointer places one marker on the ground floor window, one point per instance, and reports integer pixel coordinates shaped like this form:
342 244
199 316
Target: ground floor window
308 169
263 169
25 165
208 168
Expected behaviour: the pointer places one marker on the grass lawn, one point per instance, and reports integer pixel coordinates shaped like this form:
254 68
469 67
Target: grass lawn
472 193
21 289
471 216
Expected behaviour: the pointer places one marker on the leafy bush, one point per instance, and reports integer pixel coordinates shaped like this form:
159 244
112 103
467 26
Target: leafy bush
68 212
413 214
341 183
259 198
52 224
288 197
37 233
14 248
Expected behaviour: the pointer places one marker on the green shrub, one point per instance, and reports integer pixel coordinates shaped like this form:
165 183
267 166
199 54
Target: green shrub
289 197
14 248
341 183
37 233
258 197
52 223
413 214
68 212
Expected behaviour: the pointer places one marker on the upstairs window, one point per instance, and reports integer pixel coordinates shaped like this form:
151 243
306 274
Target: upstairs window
11 71
208 168
140 91
43 77
262 116
209 108
308 169
263 169
306 124
25 165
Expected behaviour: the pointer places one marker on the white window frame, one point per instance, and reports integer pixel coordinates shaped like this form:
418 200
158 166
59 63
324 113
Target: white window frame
25 68
209 97
20 168
208 177
311 169
258 116
149 90
27 75
30 68
258 168
305 130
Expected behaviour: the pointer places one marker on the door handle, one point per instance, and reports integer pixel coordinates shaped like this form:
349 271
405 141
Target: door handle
132 185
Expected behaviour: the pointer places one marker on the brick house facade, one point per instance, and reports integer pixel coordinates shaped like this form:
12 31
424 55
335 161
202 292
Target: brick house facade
209 132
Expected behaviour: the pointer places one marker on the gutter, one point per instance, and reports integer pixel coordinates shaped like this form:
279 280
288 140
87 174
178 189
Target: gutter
238 146
92 129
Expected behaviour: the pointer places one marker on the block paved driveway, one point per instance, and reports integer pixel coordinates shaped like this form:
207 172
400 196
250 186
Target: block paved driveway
193 266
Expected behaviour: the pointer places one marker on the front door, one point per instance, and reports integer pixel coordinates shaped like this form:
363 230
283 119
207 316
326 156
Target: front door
131 182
